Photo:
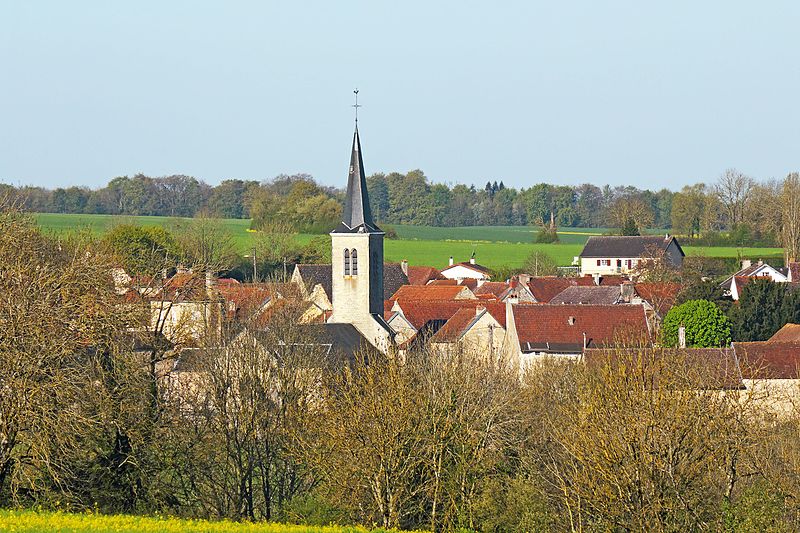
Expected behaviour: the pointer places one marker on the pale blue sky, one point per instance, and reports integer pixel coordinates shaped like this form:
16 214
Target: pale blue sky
565 92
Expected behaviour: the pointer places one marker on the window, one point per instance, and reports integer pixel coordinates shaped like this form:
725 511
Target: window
354 256
604 262
346 262
598 262
619 263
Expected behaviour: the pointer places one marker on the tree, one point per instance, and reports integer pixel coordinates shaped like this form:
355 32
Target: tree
790 217
539 263
630 228
687 210
140 247
734 189
205 243
705 324
627 209
763 308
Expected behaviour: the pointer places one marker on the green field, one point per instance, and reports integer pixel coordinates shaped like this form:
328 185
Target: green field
495 247
41 522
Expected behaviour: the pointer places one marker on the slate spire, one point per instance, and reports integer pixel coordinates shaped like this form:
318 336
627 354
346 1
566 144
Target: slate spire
357 213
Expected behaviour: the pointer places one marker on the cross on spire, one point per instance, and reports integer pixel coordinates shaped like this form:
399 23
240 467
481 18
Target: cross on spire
356 106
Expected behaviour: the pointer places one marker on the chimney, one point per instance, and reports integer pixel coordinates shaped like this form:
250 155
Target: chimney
472 260
682 336
404 266
479 309
210 281
571 321
451 260
596 278
524 279
746 263
626 291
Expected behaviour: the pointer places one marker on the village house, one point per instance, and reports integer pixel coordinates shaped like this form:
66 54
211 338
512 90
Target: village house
467 270
534 332
604 255
733 285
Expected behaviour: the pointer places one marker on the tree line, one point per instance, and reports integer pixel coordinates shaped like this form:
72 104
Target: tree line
741 207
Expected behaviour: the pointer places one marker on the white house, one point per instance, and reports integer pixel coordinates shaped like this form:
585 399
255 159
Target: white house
467 270
621 255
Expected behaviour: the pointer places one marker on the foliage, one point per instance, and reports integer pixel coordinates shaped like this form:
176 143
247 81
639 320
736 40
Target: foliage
763 308
143 249
700 289
629 228
546 235
706 325
540 264
297 201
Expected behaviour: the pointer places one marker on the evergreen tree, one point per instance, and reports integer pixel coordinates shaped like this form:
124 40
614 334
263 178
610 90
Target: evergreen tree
630 228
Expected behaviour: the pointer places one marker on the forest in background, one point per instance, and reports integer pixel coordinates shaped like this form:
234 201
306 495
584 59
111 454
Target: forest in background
735 209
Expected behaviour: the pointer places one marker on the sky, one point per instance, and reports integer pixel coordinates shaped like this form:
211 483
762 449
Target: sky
619 92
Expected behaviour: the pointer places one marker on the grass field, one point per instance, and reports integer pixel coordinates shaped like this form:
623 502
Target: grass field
40 522
495 247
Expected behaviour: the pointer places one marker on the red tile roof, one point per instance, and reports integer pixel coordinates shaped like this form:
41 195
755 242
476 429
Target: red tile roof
420 312
540 326
420 275
768 360
740 282
438 282
660 295
788 333
546 287
494 288
608 280
794 272
456 326
471 283
432 292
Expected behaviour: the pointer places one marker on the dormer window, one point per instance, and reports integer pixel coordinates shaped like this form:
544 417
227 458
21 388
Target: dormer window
346 262
354 261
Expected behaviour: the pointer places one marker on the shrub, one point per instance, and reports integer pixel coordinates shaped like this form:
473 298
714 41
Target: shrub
706 325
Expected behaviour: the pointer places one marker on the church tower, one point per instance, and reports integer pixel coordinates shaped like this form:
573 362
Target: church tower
357 260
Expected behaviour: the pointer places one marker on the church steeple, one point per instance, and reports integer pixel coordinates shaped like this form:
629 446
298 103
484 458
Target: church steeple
357 215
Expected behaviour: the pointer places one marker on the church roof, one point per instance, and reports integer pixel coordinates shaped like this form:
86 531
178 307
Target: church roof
356 216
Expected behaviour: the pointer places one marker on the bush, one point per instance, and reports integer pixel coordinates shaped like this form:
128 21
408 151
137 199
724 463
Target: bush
546 236
706 325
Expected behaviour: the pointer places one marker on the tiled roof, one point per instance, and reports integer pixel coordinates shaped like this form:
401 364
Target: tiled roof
587 295
542 327
616 246
421 275
660 295
741 281
393 279
420 312
470 283
452 330
495 288
609 280
317 275
546 287
788 333
794 271
432 292
768 360
438 282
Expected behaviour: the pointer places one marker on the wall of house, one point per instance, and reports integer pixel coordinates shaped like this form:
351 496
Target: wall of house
589 265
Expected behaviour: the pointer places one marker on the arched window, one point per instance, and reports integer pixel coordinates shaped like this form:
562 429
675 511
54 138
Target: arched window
346 262
354 255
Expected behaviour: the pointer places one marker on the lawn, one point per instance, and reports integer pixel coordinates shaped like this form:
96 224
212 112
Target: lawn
494 247
40 522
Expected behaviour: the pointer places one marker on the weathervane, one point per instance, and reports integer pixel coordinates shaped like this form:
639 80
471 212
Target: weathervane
356 106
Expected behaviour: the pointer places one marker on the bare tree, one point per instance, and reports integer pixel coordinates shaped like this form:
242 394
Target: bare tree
734 190
790 217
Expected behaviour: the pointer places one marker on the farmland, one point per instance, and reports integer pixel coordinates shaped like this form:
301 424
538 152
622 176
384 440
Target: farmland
41 522
503 246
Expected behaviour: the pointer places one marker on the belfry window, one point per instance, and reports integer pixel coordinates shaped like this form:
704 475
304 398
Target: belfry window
354 259
346 262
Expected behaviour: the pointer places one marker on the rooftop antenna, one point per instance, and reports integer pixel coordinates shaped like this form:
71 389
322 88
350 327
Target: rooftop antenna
356 106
